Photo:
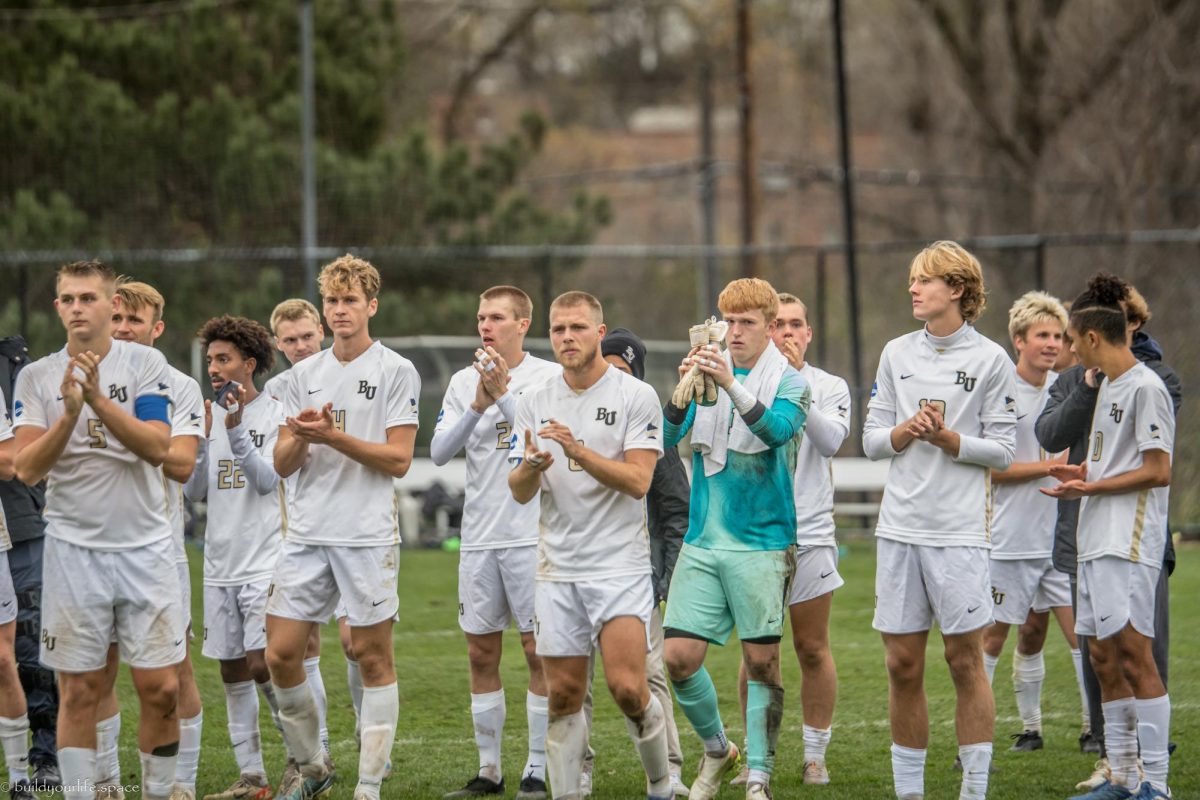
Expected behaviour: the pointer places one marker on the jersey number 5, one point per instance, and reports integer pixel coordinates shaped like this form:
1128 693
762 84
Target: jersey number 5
96 435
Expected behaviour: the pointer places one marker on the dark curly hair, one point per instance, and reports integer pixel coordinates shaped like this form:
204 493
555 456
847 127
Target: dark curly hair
250 338
1099 307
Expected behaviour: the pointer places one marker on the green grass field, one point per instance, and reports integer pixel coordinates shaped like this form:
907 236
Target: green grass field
435 750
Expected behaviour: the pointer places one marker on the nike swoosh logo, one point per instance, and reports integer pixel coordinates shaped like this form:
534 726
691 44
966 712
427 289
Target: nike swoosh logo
545 422
825 575
313 391
906 377
7 603
1105 619
1022 416
379 602
236 745
972 610
178 642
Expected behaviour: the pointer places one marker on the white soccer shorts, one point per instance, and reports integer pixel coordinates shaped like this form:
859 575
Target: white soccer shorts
916 585
568 617
816 573
1114 592
310 580
494 586
8 594
1021 585
85 593
235 620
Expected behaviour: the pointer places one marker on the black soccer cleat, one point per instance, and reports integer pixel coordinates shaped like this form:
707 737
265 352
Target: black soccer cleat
1089 743
532 788
1027 742
478 786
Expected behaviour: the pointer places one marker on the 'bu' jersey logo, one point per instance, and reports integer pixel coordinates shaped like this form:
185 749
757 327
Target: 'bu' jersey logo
258 438
365 389
606 416
118 393
961 379
1116 412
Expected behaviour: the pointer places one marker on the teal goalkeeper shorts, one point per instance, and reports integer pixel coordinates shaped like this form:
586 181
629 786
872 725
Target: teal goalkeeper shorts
713 591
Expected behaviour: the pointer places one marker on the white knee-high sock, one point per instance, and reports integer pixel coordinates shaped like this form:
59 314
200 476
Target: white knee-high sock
537 710
565 741
312 669
1154 733
908 770
976 763
380 713
77 767
989 666
487 714
14 735
158 776
1029 672
188 763
241 708
1077 659
298 716
108 754
649 733
815 742
1121 740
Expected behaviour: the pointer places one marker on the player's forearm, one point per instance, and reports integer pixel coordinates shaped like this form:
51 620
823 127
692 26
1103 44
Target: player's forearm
994 454
258 470
524 482
825 432
631 479
1023 472
196 487
446 443
1147 476
8 467
290 453
676 423
384 457
148 440
181 458
34 460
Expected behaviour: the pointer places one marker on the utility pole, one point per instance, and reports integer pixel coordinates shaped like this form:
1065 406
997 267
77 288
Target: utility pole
839 53
747 174
308 135
706 295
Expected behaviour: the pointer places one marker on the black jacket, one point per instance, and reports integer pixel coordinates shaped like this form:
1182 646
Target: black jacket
22 504
1065 424
667 510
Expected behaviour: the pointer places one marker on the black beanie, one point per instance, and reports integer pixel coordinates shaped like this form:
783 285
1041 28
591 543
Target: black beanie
622 342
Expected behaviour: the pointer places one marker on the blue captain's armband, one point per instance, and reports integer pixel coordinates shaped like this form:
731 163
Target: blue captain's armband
152 408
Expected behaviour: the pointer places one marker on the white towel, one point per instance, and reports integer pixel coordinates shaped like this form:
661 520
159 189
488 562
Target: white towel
718 429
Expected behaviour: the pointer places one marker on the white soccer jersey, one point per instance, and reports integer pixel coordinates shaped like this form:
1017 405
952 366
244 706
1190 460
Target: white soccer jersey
242 538
6 433
1133 415
491 517
931 498
338 501
99 495
277 386
1022 517
813 487
187 419
588 531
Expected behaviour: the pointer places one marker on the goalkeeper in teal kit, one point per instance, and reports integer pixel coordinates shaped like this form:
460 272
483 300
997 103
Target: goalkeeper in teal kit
736 561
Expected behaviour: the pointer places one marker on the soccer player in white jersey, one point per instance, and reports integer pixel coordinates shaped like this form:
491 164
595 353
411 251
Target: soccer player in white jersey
1123 484
816 578
498 555
236 479
351 424
1025 585
14 723
140 319
298 333
94 420
943 409
591 438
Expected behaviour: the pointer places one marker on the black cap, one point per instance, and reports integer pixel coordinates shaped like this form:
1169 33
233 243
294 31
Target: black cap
624 343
